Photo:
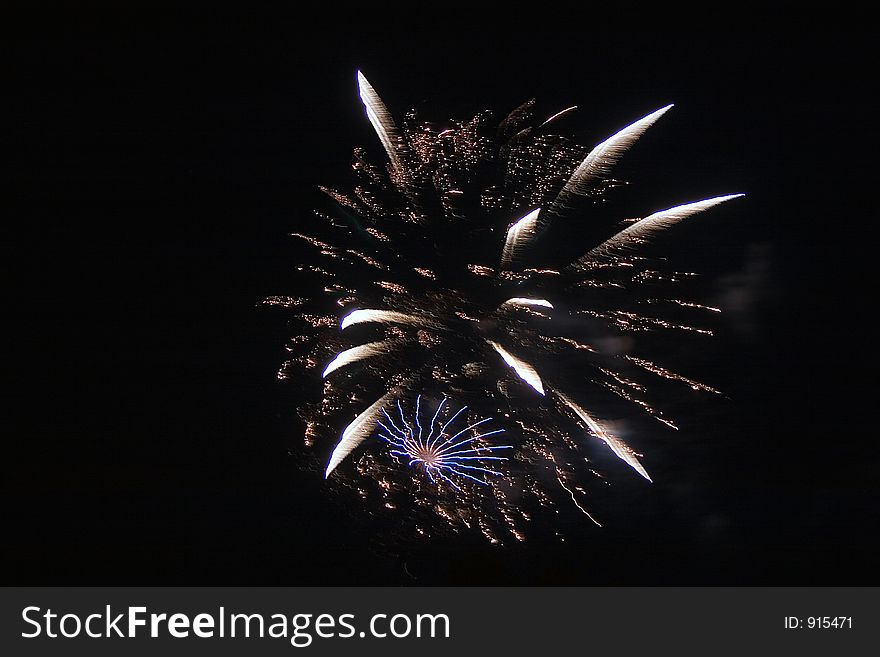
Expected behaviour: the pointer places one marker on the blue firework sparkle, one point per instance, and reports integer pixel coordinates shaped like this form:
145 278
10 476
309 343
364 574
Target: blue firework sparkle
445 455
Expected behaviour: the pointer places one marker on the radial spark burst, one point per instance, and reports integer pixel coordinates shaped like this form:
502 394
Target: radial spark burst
478 262
443 455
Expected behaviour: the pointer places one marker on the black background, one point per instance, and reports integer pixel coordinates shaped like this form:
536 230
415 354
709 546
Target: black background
155 163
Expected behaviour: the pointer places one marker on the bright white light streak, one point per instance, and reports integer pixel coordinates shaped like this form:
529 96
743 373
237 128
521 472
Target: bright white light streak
522 301
355 354
518 236
558 114
645 228
381 316
620 448
380 118
523 370
599 162
356 432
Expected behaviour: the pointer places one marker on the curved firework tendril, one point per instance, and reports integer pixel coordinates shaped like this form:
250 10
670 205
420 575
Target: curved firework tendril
437 276
444 456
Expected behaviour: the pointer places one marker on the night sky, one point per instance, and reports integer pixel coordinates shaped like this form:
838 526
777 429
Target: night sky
155 164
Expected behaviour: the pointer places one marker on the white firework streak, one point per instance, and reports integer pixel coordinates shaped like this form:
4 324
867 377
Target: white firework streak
443 456
522 301
523 370
380 118
355 354
644 229
380 316
558 114
519 235
620 448
599 162
356 432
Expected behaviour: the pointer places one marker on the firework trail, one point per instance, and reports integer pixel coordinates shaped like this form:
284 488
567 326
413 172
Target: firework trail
435 279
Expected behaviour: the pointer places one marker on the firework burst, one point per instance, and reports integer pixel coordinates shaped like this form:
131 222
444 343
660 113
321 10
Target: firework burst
438 275
443 455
